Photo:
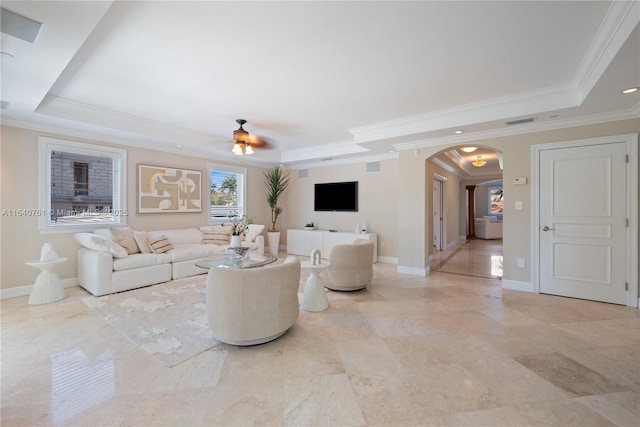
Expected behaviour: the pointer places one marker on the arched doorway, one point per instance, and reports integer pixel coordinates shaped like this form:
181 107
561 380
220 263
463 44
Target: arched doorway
460 191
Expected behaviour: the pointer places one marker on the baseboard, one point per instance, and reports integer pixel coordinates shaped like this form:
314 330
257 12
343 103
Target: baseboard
452 245
515 285
20 291
422 272
387 260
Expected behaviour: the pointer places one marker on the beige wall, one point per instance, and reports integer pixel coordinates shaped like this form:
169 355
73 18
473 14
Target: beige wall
395 202
517 163
377 202
20 239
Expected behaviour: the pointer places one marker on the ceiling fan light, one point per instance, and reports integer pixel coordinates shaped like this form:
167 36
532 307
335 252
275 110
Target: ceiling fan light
237 150
248 150
240 135
479 162
468 149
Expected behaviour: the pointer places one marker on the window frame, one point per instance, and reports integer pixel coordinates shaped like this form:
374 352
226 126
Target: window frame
119 191
241 190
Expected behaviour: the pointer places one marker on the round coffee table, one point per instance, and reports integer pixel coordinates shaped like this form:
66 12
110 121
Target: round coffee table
314 297
233 260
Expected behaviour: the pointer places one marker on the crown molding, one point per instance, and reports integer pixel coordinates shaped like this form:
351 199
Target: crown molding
620 20
524 104
633 113
345 161
128 142
323 151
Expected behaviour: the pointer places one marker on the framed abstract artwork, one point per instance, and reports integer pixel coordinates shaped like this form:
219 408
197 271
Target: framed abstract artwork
164 189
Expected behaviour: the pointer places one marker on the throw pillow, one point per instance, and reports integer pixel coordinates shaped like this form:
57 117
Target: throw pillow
125 238
216 237
253 231
99 243
216 234
160 244
142 240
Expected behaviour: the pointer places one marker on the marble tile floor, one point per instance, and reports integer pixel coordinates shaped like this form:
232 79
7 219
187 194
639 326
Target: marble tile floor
442 350
478 257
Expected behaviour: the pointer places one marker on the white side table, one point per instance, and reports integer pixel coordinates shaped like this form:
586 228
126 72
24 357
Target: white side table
314 297
47 287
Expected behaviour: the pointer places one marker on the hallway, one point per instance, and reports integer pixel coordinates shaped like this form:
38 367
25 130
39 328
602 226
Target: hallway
477 257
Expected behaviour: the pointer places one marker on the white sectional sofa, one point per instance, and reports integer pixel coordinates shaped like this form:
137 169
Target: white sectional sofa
104 267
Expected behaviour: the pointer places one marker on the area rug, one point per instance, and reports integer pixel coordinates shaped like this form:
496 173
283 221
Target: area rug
169 321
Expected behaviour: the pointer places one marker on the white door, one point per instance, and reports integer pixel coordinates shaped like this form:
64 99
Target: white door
437 215
582 201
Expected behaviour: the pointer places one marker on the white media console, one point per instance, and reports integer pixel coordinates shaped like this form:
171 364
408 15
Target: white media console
302 242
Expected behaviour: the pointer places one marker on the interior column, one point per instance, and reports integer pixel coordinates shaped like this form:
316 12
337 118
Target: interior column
471 214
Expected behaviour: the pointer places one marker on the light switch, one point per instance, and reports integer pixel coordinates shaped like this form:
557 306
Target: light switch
518 206
520 262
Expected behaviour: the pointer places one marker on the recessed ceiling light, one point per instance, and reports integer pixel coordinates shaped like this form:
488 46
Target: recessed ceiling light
631 90
468 149
459 132
179 146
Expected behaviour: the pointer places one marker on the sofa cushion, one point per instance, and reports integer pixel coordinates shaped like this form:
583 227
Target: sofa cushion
220 237
101 244
160 244
124 237
253 231
194 251
140 260
179 236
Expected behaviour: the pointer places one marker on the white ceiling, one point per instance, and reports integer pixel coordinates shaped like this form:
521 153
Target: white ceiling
319 79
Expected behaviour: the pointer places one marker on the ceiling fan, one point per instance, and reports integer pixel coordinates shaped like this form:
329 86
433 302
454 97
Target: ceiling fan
244 142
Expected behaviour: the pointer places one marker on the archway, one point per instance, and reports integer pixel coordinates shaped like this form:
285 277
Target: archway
462 181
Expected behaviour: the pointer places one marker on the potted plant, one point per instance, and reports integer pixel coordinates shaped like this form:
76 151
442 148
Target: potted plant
239 224
276 181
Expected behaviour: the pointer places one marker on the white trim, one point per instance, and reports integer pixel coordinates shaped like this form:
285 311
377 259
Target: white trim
631 235
452 245
238 170
20 291
516 285
345 161
414 271
119 201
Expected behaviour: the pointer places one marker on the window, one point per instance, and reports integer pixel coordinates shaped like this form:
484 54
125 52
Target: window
495 200
67 201
81 179
227 192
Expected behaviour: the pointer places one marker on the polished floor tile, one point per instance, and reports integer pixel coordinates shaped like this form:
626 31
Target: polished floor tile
450 349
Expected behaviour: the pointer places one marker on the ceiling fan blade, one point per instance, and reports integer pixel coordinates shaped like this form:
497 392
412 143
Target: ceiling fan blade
259 142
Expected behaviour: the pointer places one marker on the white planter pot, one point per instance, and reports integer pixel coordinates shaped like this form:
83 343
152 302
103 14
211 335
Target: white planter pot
236 241
274 242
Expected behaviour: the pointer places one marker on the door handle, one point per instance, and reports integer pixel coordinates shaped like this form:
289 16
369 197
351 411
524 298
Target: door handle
545 228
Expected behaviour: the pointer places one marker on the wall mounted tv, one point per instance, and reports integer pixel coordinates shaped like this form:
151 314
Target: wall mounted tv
336 196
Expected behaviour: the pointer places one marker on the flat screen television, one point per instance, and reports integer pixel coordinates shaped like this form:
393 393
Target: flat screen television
336 196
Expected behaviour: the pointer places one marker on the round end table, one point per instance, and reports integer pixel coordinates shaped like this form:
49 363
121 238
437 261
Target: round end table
314 297
48 287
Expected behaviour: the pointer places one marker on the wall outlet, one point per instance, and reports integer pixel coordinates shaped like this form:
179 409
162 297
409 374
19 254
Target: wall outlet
518 205
520 263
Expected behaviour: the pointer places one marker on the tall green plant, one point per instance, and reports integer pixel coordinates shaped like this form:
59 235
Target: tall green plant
276 181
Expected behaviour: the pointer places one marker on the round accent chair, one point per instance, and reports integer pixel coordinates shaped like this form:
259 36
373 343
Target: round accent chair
351 266
253 305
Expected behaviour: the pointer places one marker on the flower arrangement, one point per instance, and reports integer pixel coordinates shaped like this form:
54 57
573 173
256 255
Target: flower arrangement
239 223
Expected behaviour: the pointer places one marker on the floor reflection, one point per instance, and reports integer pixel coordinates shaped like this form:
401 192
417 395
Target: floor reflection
78 383
481 258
